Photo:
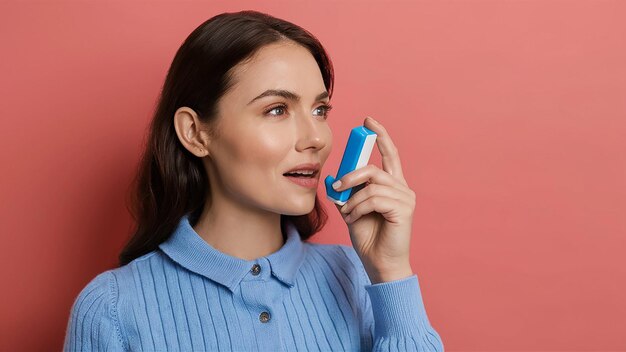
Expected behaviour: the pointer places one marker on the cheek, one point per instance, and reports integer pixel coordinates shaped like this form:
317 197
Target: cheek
325 153
260 155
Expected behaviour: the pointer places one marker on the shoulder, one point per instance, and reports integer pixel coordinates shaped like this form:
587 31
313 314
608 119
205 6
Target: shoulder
105 288
97 316
93 315
339 253
126 275
97 289
340 257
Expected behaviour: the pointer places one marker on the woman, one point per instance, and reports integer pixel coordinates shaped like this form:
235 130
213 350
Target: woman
219 259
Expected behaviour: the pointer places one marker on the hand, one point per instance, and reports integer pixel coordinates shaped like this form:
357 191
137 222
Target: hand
380 214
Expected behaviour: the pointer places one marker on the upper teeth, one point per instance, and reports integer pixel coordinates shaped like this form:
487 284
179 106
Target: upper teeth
304 172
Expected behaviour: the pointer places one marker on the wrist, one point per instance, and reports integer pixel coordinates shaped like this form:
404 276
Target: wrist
380 276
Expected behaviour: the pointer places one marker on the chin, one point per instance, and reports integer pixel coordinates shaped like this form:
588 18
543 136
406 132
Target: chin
299 210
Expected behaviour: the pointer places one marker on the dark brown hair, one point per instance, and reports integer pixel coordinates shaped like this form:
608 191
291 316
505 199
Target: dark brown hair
170 181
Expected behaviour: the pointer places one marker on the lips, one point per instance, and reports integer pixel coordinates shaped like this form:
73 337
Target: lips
308 182
305 167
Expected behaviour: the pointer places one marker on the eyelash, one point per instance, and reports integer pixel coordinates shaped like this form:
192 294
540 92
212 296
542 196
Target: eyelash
326 107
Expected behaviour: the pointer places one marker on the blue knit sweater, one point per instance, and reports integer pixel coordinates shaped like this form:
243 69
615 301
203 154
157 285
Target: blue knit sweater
188 296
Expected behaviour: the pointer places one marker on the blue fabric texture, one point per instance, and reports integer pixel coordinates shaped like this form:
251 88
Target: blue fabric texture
188 296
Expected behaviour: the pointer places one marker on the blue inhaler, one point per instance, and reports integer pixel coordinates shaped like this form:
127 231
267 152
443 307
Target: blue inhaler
356 155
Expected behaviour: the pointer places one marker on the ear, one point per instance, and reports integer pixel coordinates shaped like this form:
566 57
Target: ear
190 131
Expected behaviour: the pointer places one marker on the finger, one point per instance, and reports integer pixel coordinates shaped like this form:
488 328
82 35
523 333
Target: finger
343 215
372 174
375 190
388 150
391 209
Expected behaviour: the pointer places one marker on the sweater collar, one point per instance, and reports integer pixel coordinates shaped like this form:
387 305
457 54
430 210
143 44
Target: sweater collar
191 251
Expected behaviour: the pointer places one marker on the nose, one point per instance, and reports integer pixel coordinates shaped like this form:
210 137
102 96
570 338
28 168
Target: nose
310 132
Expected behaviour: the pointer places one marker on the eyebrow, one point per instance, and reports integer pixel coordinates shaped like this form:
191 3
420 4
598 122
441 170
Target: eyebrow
286 94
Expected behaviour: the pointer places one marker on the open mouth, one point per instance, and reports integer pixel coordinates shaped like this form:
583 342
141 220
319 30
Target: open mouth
298 175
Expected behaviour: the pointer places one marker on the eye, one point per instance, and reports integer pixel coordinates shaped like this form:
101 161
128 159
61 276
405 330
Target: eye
277 107
282 107
326 108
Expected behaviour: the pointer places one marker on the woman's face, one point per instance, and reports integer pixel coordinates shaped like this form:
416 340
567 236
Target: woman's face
260 139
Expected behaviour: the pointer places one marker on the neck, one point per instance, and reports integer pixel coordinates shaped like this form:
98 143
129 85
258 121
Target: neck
243 233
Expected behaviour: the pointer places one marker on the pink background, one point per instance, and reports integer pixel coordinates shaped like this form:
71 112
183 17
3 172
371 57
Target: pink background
509 117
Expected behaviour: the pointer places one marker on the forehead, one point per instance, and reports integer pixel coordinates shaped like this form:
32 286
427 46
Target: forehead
282 65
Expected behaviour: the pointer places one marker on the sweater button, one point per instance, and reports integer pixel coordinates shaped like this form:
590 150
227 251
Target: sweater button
256 269
264 317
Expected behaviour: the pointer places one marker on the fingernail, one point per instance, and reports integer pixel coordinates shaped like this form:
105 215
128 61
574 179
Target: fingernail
337 184
343 209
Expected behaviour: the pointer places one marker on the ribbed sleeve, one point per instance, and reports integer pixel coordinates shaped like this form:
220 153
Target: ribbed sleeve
398 312
401 322
93 324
